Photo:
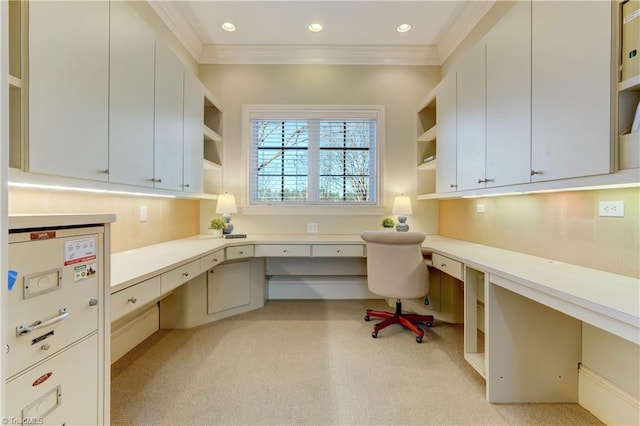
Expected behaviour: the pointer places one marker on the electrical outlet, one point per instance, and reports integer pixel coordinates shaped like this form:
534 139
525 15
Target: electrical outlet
611 208
312 228
479 208
143 213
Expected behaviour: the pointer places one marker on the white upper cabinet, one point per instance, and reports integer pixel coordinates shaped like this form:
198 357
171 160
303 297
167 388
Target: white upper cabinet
571 89
508 54
168 131
446 135
69 88
131 93
471 120
193 145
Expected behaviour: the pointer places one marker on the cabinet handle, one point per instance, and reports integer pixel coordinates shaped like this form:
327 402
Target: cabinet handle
24 329
536 172
443 265
214 260
132 300
45 347
337 251
93 302
104 172
485 180
453 185
155 180
186 185
185 274
285 251
241 252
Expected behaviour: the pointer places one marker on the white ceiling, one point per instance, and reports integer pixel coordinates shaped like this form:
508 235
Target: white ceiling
355 31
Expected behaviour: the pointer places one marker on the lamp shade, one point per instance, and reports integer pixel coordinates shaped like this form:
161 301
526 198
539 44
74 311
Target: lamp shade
402 205
226 204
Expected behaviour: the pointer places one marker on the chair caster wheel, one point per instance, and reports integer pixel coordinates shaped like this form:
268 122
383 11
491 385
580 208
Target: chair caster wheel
374 334
367 318
419 339
429 324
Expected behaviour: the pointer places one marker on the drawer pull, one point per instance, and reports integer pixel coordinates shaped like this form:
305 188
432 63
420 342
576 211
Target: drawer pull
45 347
93 302
337 251
132 300
443 265
214 260
185 274
24 329
285 251
241 252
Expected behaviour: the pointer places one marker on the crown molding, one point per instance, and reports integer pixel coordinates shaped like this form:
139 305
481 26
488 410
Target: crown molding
319 54
175 20
470 15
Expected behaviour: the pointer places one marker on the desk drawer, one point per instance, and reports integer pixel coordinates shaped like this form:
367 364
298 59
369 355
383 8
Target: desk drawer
209 261
178 276
283 250
448 266
239 252
134 297
338 250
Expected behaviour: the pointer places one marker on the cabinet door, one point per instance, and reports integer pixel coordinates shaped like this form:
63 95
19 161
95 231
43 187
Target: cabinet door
228 286
446 134
168 120
193 148
131 92
571 89
69 88
470 95
508 156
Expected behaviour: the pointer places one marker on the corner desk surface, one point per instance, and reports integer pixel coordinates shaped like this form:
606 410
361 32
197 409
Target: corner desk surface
607 300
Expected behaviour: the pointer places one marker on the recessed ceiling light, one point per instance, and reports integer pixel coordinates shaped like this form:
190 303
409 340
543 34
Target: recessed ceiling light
403 28
315 27
228 26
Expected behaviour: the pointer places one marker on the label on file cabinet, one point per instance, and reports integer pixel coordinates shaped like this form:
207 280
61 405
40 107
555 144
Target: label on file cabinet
78 251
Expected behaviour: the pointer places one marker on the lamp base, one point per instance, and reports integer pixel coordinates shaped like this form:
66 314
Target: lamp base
229 228
402 226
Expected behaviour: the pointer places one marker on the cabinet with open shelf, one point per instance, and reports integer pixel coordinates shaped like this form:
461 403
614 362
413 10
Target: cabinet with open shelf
628 94
212 155
16 33
426 146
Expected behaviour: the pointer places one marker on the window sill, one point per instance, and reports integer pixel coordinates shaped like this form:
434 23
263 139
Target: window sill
313 210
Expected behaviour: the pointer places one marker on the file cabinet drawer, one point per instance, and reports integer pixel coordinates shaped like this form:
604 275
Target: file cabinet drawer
54 301
239 252
178 276
134 297
338 250
283 250
448 266
209 261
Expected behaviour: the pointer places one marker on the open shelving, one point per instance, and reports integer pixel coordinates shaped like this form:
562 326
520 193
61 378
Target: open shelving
213 144
426 146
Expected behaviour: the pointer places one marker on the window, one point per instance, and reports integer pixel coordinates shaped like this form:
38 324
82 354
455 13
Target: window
309 156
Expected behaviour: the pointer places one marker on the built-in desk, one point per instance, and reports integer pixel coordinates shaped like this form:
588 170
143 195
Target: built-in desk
534 307
534 311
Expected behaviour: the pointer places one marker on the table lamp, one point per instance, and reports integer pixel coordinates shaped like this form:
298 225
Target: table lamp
402 207
226 205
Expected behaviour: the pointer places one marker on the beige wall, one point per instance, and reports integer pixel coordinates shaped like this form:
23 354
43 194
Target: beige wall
564 226
168 218
399 88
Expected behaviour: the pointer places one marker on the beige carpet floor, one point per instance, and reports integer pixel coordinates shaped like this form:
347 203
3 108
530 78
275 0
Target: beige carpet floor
311 363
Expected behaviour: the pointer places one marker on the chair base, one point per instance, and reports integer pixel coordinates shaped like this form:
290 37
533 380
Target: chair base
406 320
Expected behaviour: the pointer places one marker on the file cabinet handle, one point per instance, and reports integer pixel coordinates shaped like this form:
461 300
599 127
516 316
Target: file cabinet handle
132 300
36 325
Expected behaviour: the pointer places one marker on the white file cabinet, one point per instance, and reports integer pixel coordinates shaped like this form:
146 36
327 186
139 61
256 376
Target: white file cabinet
55 321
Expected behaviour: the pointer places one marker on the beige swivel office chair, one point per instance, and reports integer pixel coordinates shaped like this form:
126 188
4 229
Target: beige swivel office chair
396 269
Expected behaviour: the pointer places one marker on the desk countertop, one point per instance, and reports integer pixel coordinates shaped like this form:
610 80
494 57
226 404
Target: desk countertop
604 293
576 288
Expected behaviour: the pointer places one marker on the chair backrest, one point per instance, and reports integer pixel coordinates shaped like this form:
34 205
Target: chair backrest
395 266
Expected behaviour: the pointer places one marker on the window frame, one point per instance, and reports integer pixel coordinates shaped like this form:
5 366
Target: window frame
278 112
